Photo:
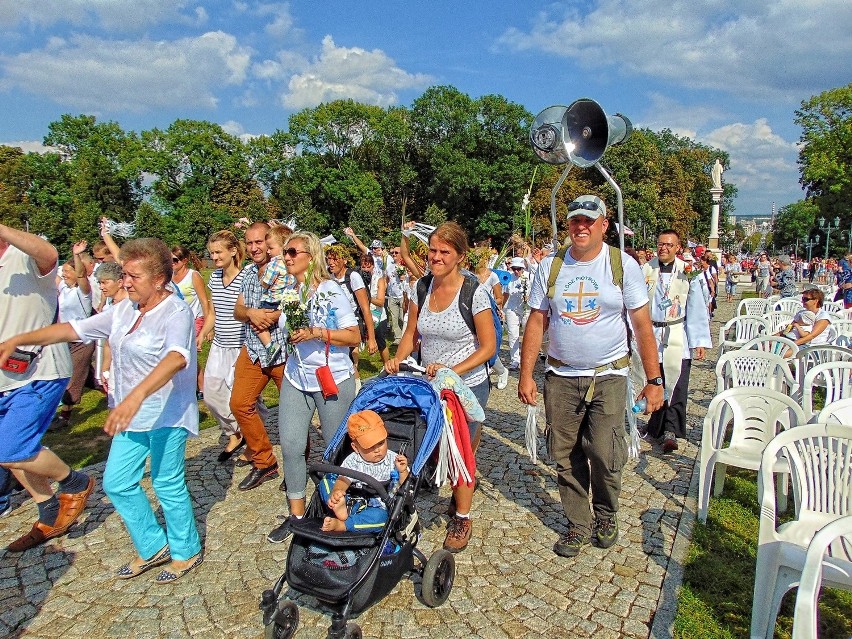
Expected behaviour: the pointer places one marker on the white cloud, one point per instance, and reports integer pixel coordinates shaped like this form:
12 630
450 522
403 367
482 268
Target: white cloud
110 14
282 22
763 49
232 127
96 74
30 146
339 72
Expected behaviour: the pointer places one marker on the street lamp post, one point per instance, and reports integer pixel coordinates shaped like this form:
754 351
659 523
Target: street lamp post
811 243
826 226
848 235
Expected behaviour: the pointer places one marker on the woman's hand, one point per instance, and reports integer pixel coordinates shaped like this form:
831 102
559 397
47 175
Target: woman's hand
6 349
304 334
80 247
392 366
121 416
432 369
372 346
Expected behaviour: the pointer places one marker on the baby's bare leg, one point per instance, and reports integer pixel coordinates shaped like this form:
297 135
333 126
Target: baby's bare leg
265 337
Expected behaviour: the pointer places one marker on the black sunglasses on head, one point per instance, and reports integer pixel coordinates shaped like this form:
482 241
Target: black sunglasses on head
292 253
587 205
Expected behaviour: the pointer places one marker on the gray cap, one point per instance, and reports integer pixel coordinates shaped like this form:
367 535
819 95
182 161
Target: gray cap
590 206
784 259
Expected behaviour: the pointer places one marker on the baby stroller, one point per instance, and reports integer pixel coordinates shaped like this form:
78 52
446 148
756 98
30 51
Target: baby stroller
348 572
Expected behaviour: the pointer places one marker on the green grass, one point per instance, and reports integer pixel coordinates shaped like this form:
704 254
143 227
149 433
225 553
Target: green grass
718 585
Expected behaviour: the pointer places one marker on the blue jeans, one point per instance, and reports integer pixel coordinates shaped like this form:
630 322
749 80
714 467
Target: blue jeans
25 414
296 409
124 470
363 518
5 488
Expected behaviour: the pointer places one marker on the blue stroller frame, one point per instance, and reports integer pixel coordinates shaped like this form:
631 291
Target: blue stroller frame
374 563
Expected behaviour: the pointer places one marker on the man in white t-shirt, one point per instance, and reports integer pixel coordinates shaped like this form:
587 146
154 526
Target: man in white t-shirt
585 387
31 391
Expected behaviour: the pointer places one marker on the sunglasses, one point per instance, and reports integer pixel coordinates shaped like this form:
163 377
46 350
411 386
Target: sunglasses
805 298
175 259
588 206
292 253
517 268
394 252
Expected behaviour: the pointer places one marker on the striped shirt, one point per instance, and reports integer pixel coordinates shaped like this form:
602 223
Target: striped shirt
252 292
228 331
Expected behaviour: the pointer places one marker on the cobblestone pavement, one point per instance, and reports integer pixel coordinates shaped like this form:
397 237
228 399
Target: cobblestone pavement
509 583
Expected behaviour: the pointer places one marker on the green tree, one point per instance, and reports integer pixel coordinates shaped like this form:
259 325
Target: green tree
825 156
794 221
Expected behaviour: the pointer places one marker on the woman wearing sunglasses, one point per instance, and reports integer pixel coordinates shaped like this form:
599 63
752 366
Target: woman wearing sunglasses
810 325
332 330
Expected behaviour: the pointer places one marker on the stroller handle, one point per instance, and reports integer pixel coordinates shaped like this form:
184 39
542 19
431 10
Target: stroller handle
372 482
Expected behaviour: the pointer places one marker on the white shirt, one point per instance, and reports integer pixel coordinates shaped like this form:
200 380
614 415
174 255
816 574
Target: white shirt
586 329
166 328
518 289
329 308
95 285
73 303
379 313
694 307
445 337
27 302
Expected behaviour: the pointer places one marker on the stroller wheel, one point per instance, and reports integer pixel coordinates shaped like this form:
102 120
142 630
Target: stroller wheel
353 631
438 575
284 621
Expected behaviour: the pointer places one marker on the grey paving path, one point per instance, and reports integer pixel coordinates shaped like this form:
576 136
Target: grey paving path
509 584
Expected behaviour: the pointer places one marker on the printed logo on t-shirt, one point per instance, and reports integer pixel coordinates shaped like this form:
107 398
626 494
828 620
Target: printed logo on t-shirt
580 301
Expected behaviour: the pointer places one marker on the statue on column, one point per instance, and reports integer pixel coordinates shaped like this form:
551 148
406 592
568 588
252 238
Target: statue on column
716 174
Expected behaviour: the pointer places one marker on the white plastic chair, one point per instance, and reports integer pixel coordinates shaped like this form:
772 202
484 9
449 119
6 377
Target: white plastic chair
842 328
781 346
753 420
788 305
777 320
839 412
810 356
754 369
807 597
819 457
772 299
834 377
743 328
832 307
752 306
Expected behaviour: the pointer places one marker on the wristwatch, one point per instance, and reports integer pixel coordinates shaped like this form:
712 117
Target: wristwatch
656 381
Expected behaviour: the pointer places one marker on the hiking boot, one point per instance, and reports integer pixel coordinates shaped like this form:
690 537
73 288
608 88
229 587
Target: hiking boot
571 543
458 534
605 532
669 442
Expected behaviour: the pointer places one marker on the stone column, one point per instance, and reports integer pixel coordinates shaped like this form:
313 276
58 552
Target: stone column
713 244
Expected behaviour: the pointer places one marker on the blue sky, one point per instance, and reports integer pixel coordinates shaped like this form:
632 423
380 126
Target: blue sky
728 74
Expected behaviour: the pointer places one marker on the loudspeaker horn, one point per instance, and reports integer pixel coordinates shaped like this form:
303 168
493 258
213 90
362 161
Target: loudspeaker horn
546 136
589 131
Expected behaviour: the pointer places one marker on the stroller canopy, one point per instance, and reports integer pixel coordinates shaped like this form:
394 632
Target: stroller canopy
398 392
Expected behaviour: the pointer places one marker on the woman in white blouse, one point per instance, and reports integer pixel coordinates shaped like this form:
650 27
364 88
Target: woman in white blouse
332 330
152 339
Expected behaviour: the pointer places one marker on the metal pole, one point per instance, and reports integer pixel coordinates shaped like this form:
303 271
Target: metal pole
553 193
620 200
827 236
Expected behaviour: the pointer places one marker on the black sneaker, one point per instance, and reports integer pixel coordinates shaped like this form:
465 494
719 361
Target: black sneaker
605 532
280 533
571 543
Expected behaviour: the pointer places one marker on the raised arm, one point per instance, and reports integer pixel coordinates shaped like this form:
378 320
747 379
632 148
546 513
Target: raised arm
351 235
80 268
107 238
42 251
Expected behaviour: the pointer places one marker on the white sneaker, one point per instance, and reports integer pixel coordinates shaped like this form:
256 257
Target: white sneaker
503 379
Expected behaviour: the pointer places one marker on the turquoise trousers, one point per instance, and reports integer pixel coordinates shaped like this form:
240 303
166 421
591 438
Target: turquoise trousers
124 470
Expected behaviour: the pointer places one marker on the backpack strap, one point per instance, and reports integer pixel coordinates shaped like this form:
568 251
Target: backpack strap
617 267
555 267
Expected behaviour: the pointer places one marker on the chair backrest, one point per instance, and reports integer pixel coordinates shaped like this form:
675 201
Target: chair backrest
743 328
810 356
820 460
837 412
771 300
752 306
832 307
781 346
777 320
754 369
834 377
788 305
842 327
753 419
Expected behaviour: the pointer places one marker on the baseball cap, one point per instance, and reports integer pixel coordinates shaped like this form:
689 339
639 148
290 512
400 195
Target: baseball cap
366 428
377 244
517 262
590 206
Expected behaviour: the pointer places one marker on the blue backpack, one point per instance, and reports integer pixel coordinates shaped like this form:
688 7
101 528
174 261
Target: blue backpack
468 288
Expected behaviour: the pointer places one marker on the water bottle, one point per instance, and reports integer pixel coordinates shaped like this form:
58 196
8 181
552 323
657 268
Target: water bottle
394 479
642 404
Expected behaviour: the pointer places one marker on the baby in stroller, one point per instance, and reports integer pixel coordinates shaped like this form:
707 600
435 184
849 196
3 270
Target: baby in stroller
371 457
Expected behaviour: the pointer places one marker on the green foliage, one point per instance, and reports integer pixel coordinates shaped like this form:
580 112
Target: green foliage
794 221
448 156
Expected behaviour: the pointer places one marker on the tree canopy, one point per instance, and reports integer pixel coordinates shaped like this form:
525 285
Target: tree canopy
342 163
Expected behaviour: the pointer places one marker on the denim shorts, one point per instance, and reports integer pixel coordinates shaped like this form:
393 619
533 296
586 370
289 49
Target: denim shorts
25 414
